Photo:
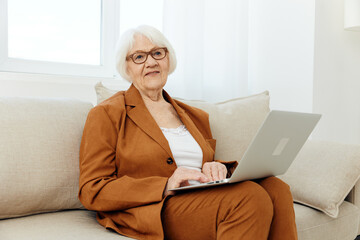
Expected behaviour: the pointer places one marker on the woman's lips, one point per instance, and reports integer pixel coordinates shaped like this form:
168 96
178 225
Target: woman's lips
152 73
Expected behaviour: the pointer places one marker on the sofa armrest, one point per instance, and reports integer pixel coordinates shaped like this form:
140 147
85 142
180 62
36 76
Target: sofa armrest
354 195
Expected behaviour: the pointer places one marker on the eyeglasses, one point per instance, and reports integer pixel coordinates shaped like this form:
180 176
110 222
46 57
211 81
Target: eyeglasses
141 57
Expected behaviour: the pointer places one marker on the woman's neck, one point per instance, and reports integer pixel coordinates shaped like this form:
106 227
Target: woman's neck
152 96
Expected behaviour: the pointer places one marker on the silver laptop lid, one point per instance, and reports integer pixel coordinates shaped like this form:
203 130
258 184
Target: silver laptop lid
275 145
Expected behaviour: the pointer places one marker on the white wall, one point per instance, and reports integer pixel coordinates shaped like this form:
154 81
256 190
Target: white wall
281 50
336 74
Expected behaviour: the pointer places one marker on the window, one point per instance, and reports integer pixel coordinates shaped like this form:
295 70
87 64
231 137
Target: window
69 37
53 31
58 37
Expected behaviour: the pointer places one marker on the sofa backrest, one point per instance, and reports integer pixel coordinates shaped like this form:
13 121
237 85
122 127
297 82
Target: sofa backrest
39 154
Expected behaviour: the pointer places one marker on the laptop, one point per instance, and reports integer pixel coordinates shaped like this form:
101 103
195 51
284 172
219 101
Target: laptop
272 150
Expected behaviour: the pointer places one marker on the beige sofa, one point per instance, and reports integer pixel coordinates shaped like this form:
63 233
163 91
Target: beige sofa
39 144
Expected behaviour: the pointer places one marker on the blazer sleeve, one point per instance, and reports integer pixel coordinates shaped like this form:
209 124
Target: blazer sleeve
100 187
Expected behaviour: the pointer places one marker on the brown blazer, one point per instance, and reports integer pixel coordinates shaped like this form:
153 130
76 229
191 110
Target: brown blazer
125 162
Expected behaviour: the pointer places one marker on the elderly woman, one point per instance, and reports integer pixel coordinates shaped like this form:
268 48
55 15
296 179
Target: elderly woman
140 143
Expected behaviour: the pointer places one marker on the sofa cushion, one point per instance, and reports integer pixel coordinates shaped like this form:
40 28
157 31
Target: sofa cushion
323 174
39 146
81 224
313 224
233 123
63 225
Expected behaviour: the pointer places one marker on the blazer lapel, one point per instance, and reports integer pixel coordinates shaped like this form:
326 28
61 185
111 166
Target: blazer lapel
191 127
137 111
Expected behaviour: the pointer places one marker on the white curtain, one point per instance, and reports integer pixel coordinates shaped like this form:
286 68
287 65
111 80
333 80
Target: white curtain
210 38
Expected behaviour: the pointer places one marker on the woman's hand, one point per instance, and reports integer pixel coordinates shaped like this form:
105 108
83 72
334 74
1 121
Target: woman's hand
214 171
180 178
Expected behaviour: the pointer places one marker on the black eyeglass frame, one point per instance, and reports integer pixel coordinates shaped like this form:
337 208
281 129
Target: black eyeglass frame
152 52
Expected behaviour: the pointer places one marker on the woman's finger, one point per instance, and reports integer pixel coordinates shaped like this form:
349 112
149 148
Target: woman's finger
180 178
207 172
189 174
216 173
222 173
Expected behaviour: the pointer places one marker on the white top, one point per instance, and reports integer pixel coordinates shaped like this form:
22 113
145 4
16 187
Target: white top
186 151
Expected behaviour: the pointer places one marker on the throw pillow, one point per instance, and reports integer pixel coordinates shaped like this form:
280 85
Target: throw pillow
103 92
234 123
323 174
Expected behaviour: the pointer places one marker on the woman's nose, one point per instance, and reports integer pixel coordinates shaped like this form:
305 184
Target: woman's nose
150 61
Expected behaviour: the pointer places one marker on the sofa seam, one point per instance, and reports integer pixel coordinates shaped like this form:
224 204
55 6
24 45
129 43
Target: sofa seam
329 221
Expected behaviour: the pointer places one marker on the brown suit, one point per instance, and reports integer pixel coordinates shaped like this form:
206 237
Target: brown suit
125 162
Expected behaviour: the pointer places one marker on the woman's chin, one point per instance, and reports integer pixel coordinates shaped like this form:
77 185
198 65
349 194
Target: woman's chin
155 83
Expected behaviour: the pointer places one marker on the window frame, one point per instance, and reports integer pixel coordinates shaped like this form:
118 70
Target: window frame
109 34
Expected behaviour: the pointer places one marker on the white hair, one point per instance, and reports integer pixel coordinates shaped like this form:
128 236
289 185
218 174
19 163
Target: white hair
126 42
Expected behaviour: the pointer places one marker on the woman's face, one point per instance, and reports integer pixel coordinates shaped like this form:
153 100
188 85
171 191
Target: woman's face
150 75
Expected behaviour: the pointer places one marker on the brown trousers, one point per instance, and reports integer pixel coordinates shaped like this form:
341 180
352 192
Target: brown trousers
250 210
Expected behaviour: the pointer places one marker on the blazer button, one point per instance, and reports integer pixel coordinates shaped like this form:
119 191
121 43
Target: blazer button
170 161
